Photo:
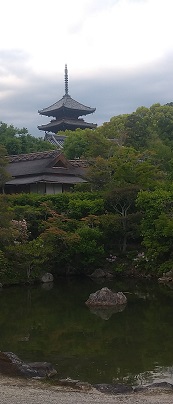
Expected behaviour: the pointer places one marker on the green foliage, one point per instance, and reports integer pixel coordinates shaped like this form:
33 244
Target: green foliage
18 141
157 226
4 176
89 250
86 143
126 168
78 208
130 157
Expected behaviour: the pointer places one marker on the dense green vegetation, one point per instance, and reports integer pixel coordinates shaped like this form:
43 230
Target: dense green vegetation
121 219
17 141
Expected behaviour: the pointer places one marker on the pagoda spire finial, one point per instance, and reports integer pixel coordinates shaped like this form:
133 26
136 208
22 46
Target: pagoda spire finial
66 80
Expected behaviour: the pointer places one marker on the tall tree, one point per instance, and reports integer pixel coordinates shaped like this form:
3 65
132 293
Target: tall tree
4 176
18 141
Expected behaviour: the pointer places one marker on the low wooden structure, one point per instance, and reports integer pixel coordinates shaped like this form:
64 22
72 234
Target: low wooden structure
43 172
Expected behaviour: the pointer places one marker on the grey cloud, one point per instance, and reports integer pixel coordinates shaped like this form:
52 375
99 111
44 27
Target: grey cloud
111 92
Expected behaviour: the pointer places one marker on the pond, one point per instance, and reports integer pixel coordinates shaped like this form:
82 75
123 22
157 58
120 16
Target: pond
53 324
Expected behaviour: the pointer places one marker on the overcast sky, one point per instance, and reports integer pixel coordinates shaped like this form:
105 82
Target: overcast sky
119 55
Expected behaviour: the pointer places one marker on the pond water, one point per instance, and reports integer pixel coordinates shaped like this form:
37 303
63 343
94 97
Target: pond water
53 324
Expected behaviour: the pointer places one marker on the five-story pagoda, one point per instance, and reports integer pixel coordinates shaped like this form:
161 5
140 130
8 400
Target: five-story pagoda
66 113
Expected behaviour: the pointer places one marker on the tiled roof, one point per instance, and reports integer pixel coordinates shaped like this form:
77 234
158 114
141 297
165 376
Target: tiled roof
34 156
51 163
67 103
56 125
63 179
55 140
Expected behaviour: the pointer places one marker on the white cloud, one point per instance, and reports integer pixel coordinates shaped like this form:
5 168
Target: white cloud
106 44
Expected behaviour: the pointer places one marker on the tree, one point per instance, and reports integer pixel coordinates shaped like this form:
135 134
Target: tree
121 201
86 143
115 129
18 141
99 173
4 176
126 167
157 228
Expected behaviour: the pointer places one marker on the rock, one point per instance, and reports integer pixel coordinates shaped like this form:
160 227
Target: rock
106 298
84 386
68 382
155 386
114 388
165 279
169 274
12 365
45 369
75 384
98 273
47 277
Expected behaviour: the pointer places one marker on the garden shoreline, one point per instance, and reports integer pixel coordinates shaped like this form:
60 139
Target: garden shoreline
20 391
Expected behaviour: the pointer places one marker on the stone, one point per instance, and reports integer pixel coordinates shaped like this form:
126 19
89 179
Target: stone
114 388
12 365
155 386
84 386
68 382
165 279
45 369
169 274
106 298
75 384
47 277
98 273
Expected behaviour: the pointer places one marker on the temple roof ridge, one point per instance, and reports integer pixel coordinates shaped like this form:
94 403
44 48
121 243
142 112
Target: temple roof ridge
69 103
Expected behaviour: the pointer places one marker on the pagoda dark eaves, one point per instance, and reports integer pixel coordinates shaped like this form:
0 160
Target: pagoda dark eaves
68 105
66 112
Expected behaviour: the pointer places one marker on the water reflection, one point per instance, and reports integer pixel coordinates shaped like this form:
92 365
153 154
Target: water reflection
107 312
54 325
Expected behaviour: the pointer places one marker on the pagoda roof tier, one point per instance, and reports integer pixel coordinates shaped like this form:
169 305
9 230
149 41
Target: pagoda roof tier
66 105
66 124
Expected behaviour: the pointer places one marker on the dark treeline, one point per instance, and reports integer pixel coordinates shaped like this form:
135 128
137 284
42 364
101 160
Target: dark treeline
120 220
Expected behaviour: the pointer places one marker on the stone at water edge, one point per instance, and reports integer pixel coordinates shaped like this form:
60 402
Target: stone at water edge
44 369
99 273
12 365
47 277
105 297
113 388
160 386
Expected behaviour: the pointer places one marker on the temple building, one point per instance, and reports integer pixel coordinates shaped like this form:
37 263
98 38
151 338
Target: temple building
67 116
43 173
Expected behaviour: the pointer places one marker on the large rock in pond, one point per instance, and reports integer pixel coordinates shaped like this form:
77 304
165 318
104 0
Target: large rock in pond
12 365
106 298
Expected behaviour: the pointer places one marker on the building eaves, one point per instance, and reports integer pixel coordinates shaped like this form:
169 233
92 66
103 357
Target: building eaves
67 103
71 179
